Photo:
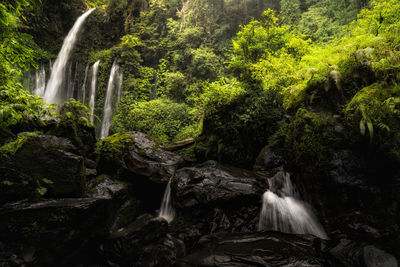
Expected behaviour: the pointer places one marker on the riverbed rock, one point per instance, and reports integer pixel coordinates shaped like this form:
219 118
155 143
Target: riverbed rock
254 249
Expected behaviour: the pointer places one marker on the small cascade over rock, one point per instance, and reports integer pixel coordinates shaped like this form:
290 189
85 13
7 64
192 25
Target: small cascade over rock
53 94
166 210
113 84
40 81
282 210
92 97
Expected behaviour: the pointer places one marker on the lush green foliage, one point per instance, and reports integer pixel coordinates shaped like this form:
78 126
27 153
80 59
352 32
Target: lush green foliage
161 119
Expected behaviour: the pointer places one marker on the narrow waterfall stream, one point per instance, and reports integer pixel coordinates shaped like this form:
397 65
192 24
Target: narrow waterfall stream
166 210
83 89
53 94
282 210
113 84
40 84
92 97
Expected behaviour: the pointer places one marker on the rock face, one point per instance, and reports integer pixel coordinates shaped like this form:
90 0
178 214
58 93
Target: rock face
53 227
147 159
256 249
144 242
211 197
46 162
213 184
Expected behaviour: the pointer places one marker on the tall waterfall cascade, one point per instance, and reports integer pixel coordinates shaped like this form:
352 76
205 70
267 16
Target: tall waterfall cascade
114 84
40 84
284 211
92 97
166 210
53 94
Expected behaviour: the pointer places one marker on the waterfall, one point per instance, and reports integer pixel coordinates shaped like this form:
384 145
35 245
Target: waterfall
282 210
108 105
83 97
40 81
69 81
52 94
92 97
166 210
119 88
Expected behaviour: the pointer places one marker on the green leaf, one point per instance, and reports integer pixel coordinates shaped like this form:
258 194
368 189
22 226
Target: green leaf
370 130
41 190
47 181
362 127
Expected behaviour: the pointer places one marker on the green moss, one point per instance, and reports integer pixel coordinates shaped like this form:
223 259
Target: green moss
305 139
111 150
10 148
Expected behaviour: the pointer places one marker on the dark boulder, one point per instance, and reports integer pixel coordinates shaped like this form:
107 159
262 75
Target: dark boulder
268 160
255 249
210 197
352 253
147 159
144 242
121 197
211 183
41 165
59 232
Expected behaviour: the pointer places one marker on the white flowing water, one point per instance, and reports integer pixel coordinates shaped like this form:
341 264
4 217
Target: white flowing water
83 89
108 103
282 210
53 94
92 97
40 84
119 88
166 210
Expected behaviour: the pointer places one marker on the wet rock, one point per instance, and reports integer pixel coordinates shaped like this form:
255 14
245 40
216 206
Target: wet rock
55 232
42 165
352 253
255 249
147 159
144 242
210 197
268 160
105 187
210 183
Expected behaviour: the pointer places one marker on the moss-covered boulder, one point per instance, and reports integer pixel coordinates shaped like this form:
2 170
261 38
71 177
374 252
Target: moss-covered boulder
74 124
41 165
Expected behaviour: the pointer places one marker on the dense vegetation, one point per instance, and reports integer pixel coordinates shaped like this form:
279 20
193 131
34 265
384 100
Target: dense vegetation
235 74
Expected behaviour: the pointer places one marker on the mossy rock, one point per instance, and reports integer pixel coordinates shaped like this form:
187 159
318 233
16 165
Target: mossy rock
111 150
74 124
307 139
41 165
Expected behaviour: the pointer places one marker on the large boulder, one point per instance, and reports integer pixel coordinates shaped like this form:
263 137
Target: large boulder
211 183
57 232
144 242
255 249
210 197
146 158
352 253
41 165
136 159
